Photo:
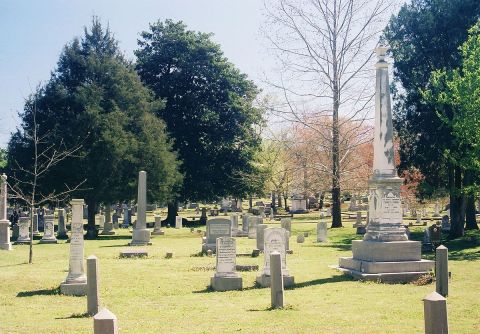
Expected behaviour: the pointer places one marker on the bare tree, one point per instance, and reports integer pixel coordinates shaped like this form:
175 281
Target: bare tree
324 49
26 178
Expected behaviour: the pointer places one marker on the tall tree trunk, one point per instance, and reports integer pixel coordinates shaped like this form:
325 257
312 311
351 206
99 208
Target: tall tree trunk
455 181
274 208
279 200
336 203
92 232
30 248
470 218
250 202
172 214
285 200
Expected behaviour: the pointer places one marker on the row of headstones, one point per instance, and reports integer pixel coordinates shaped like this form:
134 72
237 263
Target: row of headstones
21 231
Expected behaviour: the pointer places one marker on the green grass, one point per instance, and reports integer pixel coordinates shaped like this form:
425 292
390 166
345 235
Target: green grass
158 295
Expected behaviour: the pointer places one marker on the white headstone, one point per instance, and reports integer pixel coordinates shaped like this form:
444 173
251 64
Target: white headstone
322 232
226 257
23 230
178 222
274 241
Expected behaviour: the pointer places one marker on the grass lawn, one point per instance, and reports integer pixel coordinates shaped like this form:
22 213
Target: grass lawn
158 295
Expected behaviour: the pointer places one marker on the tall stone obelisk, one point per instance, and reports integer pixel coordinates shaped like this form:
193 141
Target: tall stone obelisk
4 223
141 235
385 253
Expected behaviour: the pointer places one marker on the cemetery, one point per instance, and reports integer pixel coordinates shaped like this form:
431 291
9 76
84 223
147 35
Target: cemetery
166 191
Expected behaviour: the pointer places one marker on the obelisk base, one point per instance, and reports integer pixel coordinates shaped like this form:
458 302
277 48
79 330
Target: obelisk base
388 262
226 283
140 237
73 289
265 280
5 243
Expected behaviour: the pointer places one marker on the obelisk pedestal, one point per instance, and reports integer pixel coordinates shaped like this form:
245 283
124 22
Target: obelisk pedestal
385 253
108 225
141 235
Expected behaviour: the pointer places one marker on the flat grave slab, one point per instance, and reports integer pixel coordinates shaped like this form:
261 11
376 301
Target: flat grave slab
128 253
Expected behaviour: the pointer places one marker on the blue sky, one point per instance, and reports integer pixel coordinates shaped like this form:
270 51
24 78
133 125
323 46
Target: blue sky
32 34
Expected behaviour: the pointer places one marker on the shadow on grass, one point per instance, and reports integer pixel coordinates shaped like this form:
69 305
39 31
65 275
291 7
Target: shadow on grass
320 281
285 308
76 316
109 246
44 292
113 237
14 265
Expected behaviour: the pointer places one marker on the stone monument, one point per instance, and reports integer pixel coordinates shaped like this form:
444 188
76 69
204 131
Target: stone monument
274 242
23 231
141 235
385 253
253 221
49 231
4 223
76 282
178 222
216 228
62 230
225 277
322 232
108 224
157 228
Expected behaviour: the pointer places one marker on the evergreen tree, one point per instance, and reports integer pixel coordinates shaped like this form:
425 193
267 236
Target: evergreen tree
95 98
424 37
209 111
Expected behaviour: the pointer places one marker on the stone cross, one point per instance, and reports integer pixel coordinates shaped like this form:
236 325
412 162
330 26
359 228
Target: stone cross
76 281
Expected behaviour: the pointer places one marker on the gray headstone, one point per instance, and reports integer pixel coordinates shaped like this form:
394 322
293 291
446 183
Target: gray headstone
93 297
276 287
441 270
105 322
435 314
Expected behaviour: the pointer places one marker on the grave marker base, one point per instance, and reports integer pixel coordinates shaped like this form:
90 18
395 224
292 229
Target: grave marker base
264 281
73 289
226 283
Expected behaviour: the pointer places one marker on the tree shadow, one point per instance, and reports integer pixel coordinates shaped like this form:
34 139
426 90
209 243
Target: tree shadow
43 292
266 309
14 265
109 246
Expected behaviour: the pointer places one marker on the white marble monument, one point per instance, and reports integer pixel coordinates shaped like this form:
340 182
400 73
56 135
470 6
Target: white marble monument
322 232
216 228
385 253
275 239
157 228
4 223
49 231
76 282
226 277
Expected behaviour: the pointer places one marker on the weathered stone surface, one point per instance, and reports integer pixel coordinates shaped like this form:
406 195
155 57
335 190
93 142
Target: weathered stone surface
23 231
225 277
253 221
322 232
276 280
260 236
441 270
286 223
127 253
49 234
105 322
178 222
140 234
435 314
386 251
157 229
93 296
216 228
76 281
4 223
300 238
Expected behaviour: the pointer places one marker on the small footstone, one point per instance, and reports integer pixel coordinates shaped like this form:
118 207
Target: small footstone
169 255
105 322
240 267
300 238
255 252
305 234
127 253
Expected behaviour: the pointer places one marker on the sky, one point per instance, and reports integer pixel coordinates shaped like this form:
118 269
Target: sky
33 33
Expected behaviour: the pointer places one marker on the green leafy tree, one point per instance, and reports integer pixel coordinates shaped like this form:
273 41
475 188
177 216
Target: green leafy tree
459 90
209 111
424 37
96 98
